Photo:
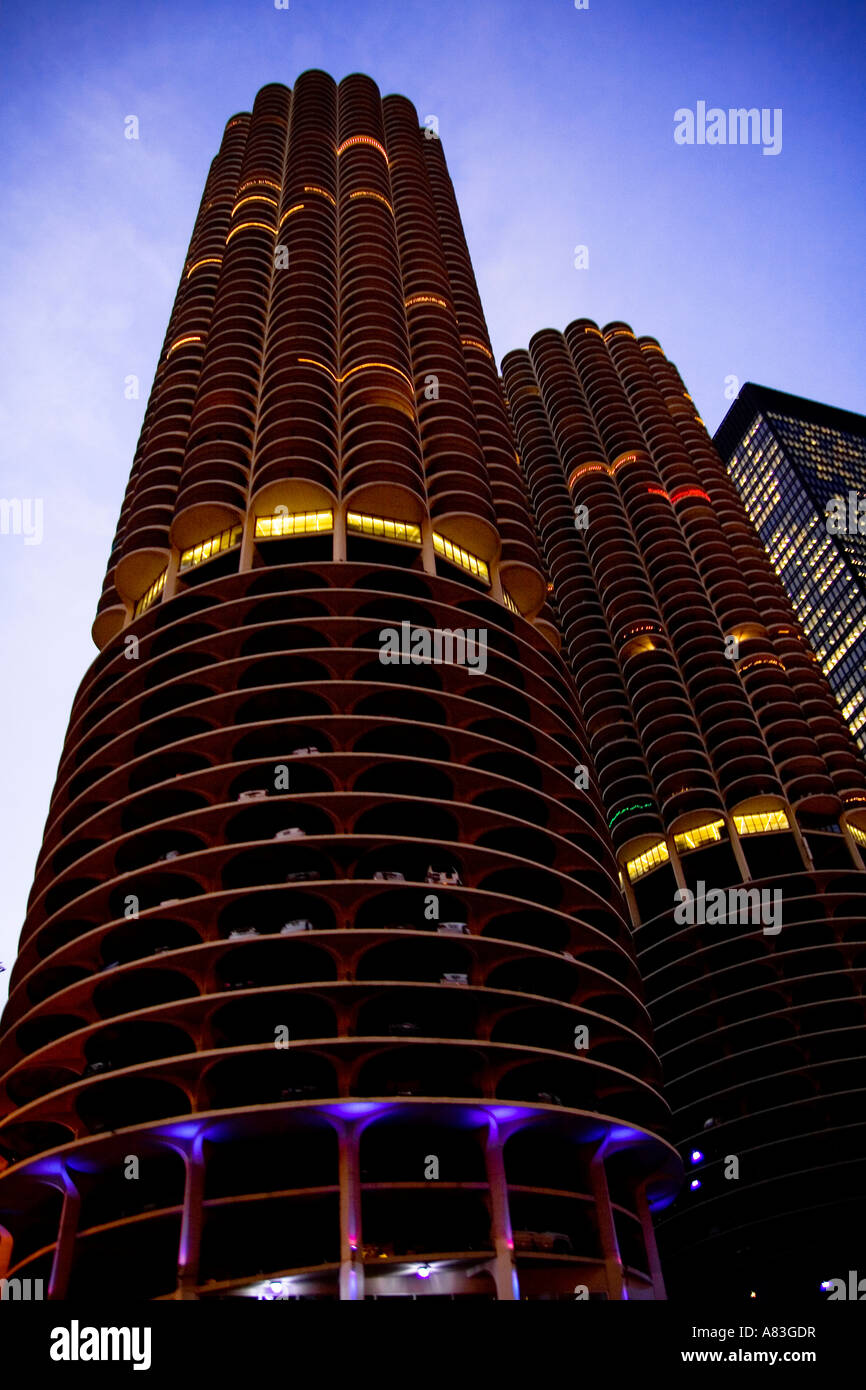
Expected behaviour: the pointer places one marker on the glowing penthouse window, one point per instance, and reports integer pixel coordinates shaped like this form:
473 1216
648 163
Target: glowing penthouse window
383 528
151 595
205 550
712 831
650 859
293 524
458 556
759 822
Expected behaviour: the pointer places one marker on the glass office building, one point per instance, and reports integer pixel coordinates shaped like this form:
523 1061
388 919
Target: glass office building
790 459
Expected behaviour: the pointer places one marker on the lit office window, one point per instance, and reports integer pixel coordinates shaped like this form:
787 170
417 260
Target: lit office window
205 550
293 524
759 822
646 862
383 528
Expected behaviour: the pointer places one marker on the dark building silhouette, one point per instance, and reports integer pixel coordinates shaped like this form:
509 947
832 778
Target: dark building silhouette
727 772
326 986
796 465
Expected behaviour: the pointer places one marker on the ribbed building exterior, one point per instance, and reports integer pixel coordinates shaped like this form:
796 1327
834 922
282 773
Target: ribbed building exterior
726 770
327 987
800 468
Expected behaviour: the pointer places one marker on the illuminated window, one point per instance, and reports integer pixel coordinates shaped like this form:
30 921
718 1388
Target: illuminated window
205 260
369 193
760 661
426 299
293 524
461 557
151 595
650 859
383 527
186 341
243 226
323 193
689 492
362 140
258 183
761 821
361 367
627 810
713 830
859 835
299 207
197 554
509 602
254 198
586 468
476 343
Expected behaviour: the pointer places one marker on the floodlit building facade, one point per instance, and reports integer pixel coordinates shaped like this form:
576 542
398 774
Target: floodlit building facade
327 987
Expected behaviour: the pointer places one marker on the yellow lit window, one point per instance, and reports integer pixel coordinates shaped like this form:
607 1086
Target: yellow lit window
323 192
369 193
859 835
425 299
197 554
254 198
699 835
458 556
205 260
650 859
509 601
152 594
299 207
476 343
293 524
243 226
185 341
761 821
361 367
383 527
362 140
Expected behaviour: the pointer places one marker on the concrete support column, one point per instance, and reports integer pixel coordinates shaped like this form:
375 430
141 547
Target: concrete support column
631 900
171 575
739 854
192 1219
805 852
339 550
428 554
676 863
649 1238
606 1228
248 540
64 1250
351 1258
504 1269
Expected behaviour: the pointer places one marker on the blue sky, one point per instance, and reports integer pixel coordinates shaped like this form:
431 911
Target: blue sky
558 127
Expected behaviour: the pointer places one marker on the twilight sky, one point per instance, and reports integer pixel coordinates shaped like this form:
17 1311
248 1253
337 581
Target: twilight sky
558 127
